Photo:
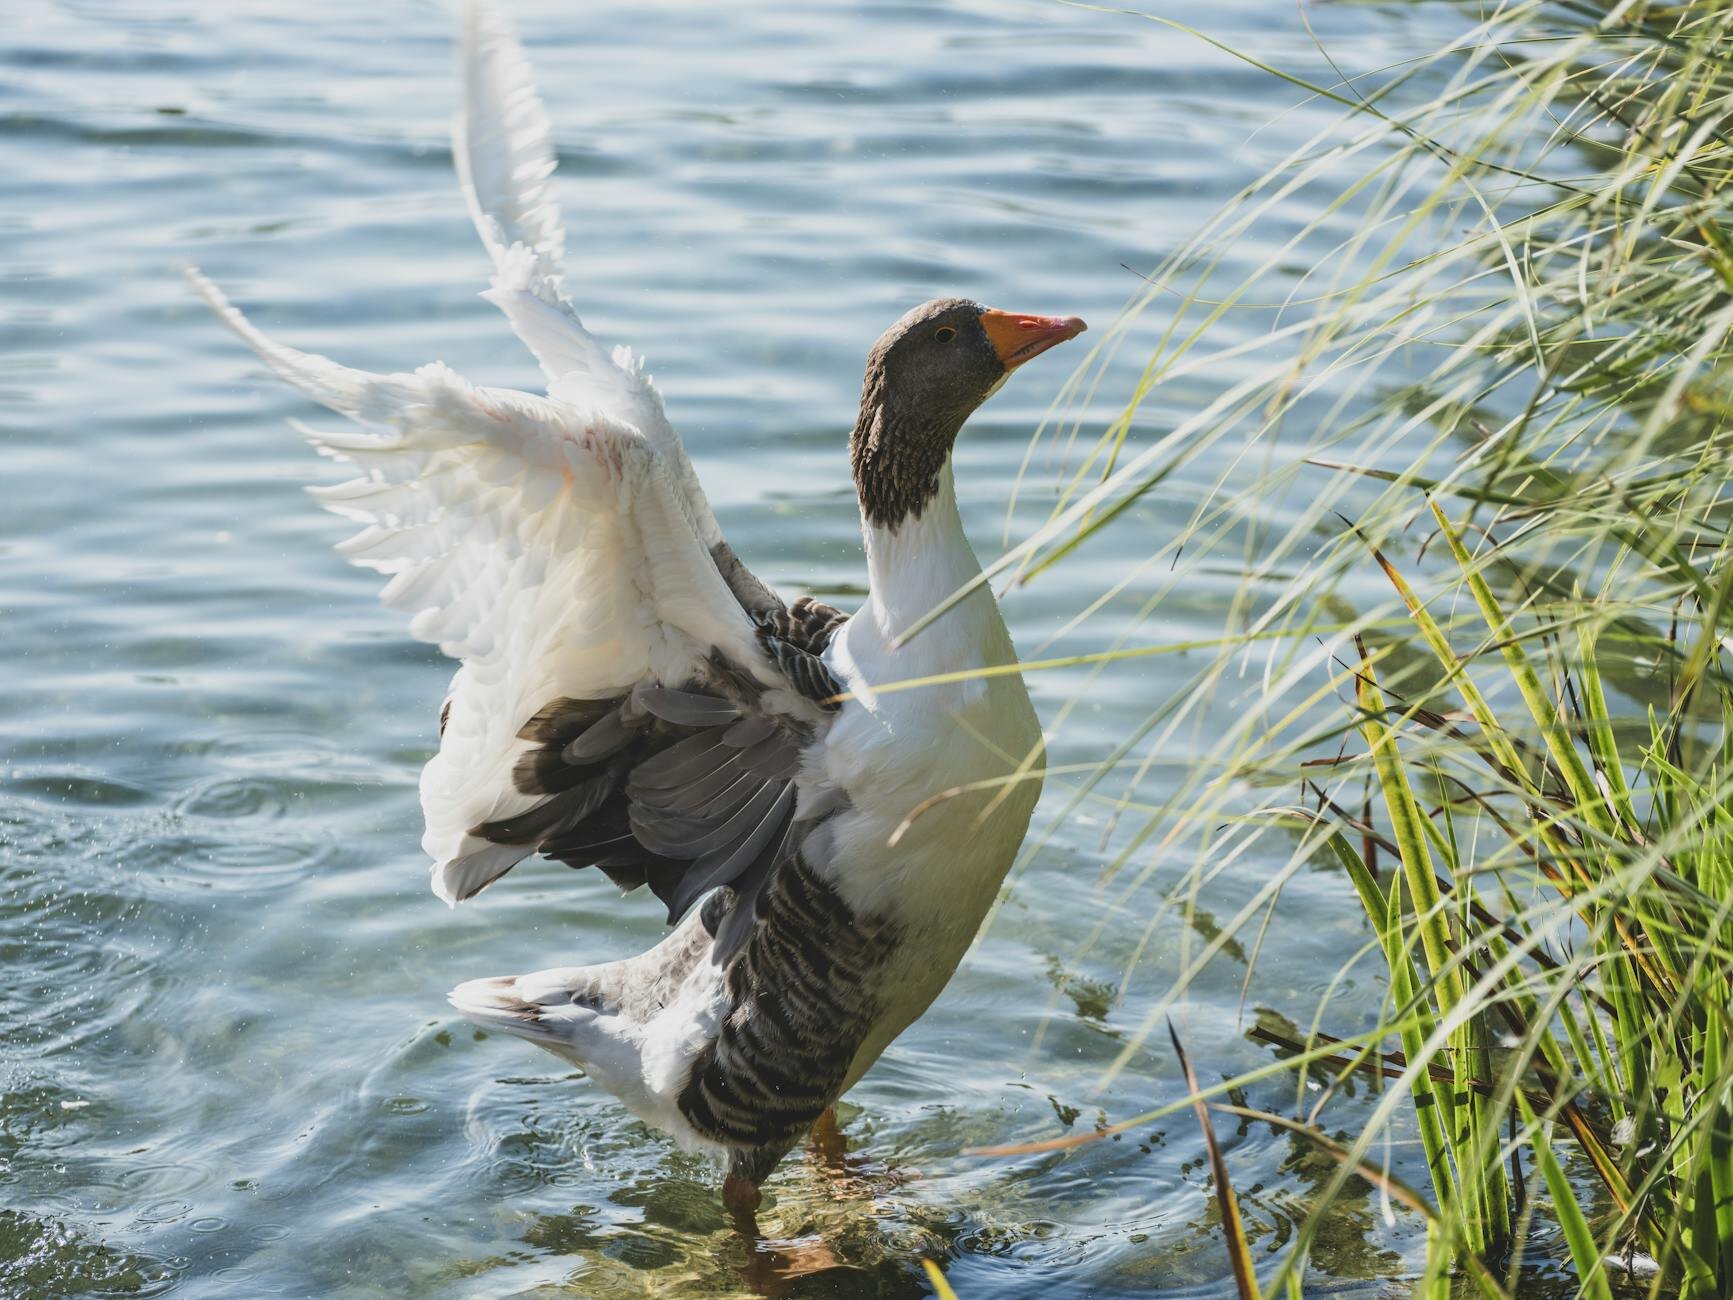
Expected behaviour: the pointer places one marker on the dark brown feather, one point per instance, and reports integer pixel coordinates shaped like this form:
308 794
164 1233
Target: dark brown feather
684 789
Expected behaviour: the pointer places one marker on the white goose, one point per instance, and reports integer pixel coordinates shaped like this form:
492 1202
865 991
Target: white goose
632 698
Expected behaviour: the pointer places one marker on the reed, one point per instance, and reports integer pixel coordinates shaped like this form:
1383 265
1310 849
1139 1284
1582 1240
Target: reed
1478 474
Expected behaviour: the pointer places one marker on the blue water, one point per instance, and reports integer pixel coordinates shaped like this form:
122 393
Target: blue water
227 1066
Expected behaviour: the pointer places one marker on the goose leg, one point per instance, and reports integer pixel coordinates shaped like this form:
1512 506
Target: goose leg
741 1197
771 1267
828 1142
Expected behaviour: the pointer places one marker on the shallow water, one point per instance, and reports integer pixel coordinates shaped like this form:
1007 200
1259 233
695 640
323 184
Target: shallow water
228 1067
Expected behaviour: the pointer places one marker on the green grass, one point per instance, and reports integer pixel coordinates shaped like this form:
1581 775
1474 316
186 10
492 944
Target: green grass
1477 478
1622 846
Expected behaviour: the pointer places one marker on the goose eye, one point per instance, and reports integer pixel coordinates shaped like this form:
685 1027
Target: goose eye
944 334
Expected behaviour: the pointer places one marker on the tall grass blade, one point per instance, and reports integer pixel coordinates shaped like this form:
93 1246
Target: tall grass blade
1239 1252
1585 1254
941 1288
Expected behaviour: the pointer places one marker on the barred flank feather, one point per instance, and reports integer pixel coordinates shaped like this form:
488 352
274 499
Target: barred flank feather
803 1003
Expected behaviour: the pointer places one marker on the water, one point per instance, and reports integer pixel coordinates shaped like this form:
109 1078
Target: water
228 1069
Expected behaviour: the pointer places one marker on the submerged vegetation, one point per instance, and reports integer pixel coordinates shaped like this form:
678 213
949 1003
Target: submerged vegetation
1479 496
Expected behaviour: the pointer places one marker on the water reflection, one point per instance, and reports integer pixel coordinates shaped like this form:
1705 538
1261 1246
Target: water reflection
827 1228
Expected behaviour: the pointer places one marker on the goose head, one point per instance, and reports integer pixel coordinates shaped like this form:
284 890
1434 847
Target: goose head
924 377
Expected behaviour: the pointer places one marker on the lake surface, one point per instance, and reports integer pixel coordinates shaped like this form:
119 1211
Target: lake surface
226 1065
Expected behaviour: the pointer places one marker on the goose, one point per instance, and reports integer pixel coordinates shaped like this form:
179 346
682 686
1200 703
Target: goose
630 697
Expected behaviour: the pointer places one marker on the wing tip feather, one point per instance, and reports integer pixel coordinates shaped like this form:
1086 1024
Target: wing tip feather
222 308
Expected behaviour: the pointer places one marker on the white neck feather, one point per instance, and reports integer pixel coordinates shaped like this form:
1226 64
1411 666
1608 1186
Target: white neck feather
913 568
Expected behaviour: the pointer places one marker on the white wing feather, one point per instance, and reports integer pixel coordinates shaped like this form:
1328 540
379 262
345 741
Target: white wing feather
505 160
551 550
502 149
558 547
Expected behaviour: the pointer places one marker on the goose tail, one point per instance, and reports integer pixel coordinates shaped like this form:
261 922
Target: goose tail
548 1008
632 1026
564 1011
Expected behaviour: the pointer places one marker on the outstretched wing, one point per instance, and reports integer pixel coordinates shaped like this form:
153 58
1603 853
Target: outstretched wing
505 160
611 683
631 696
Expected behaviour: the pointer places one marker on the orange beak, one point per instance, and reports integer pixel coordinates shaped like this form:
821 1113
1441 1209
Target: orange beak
1016 337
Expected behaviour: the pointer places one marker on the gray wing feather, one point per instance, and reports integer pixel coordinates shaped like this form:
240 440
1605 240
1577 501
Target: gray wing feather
731 800
726 865
608 736
675 766
767 755
748 732
687 708
559 815
678 834
686 789
726 785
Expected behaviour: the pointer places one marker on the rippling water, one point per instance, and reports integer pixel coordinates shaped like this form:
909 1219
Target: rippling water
228 1069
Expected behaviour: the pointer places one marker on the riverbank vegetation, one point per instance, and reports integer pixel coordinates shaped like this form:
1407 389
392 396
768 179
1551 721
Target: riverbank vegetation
1477 667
